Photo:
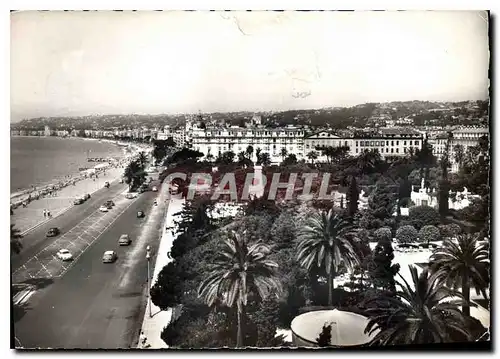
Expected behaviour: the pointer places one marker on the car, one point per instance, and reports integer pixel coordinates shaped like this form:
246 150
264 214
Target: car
103 209
106 184
154 189
124 240
78 201
109 204
64 255
140 214
86 196
121 180
52 232
109 257
131 195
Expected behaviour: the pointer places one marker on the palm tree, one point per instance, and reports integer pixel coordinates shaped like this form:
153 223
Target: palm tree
142 159
327 240
425 314
240 269
313 155
15 243
462 265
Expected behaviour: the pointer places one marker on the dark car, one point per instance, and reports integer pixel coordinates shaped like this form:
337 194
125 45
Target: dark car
109 204
78 201
53 232
106 184
86 196
140 214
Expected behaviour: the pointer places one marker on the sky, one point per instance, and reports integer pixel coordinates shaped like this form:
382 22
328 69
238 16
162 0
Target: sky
81 63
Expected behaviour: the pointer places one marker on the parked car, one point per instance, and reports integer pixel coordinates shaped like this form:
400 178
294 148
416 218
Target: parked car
52 232
131 195
154 189
64 255
78 201
124 240
109 257
103 208
140 214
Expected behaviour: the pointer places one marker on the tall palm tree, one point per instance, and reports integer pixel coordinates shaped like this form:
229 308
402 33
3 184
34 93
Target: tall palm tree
420 315
462 265
327 239
240 269
142 159
15 243
313 155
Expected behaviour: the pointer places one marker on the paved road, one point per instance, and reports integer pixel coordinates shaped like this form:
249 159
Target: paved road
88 304
35 240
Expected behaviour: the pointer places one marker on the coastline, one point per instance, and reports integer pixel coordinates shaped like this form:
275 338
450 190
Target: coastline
48 188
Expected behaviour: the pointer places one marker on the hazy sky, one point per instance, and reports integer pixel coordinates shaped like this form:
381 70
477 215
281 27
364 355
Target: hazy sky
75 63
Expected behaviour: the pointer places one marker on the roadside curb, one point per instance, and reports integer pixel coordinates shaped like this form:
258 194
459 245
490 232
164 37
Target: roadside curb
64 210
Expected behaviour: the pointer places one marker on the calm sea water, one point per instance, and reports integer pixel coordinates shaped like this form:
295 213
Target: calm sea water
39 160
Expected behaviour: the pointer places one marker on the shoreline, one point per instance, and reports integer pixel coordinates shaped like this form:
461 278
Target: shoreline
50 188
61 182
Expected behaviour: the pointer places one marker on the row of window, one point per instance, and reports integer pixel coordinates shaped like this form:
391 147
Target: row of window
392 150
247 134
384 143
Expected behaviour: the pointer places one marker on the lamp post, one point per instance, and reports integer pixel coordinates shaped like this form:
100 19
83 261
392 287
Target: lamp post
148 257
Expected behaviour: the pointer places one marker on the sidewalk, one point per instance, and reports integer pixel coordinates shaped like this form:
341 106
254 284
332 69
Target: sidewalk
25 218
152 327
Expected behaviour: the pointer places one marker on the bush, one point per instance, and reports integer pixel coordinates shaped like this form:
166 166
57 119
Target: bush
421 216
383 233
406 234
429 234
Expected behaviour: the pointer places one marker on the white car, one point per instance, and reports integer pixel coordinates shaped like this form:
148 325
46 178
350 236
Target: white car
131 195
154 189
64 255
103 209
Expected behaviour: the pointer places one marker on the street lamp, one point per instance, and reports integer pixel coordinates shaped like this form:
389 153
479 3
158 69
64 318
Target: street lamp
148 257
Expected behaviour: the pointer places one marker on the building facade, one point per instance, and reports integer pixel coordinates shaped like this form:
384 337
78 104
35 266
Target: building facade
217 140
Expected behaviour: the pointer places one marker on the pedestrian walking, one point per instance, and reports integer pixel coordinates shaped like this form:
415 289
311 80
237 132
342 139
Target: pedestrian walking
48 214
44 213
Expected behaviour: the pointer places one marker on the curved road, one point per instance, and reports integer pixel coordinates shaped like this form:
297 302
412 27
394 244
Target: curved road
91 305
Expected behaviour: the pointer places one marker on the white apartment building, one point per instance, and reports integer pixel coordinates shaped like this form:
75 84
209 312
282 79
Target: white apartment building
389 142
216 141
179 137
324 139
465 137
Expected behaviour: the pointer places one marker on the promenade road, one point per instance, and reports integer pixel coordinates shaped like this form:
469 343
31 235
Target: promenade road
88 304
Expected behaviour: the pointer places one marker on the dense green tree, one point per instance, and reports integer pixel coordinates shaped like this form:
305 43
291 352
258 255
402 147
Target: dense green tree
312 155
429 234
420 216
166 292
134 175
406 234
352 196
382 271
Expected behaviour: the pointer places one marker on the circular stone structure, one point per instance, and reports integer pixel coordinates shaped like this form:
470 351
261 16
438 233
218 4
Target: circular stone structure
348 329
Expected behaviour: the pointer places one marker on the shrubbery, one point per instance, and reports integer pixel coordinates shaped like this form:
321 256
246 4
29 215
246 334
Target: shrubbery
429 234
420 216
406 234
383 233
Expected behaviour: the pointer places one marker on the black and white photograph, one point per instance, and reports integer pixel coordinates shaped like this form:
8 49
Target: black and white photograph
250 179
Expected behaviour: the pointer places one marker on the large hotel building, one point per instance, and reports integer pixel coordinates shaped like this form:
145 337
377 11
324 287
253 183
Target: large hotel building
390 142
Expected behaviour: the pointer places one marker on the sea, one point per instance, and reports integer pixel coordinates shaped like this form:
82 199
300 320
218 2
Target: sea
42 160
